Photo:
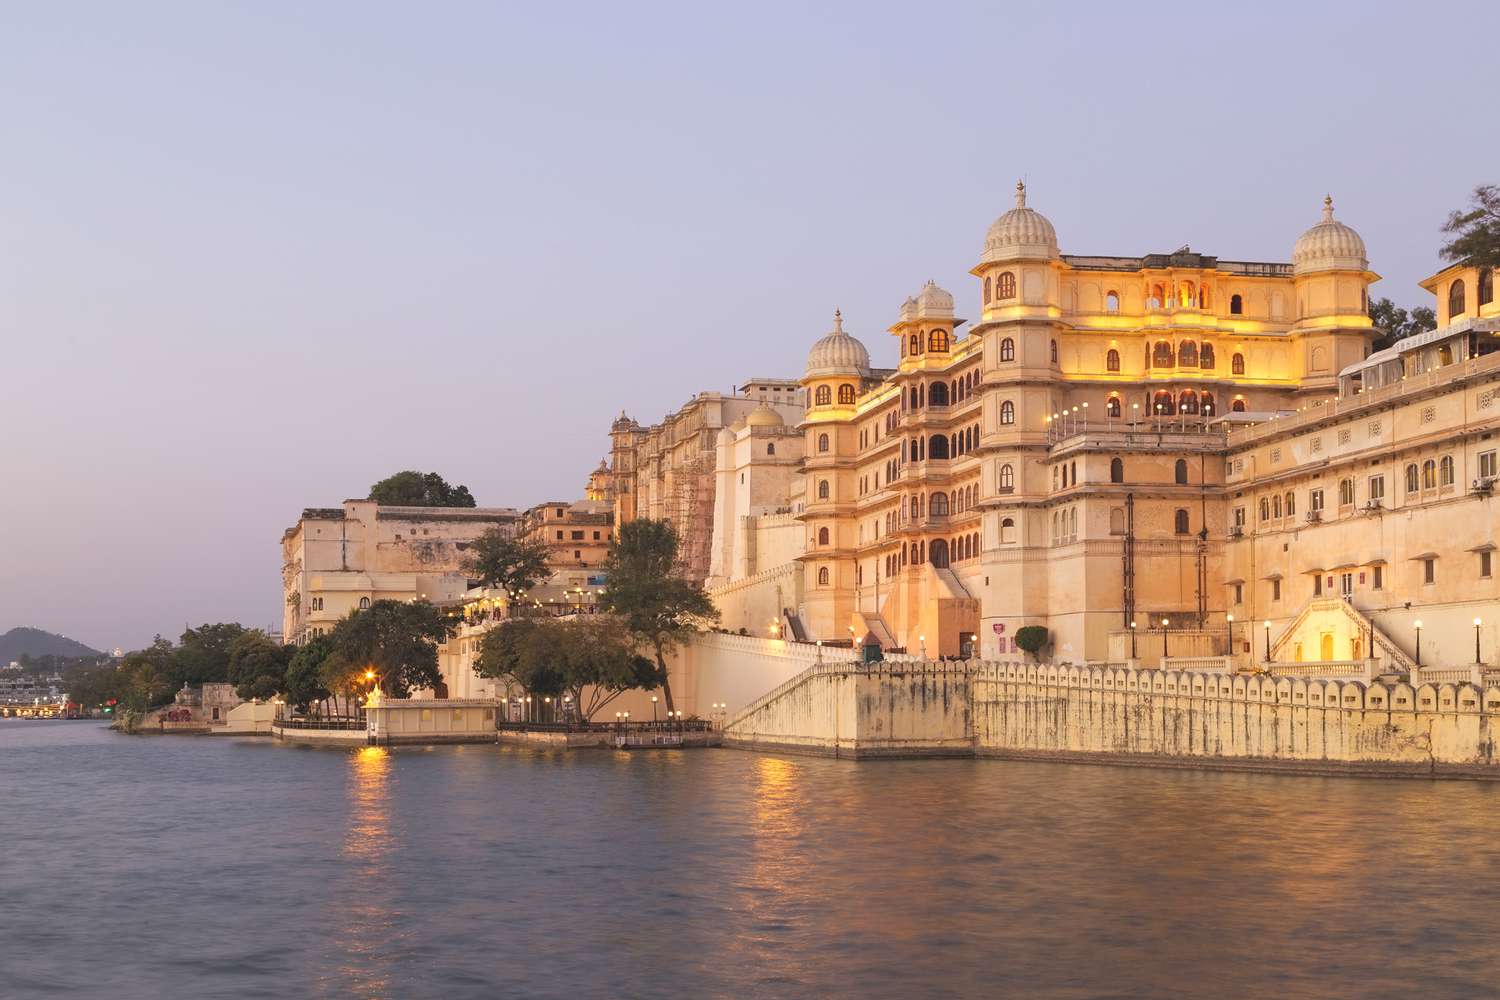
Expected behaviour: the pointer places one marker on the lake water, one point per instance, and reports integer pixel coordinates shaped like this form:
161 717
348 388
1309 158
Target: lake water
201 867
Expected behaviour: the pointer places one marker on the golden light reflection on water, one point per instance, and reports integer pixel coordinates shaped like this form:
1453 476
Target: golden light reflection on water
777 824
370 923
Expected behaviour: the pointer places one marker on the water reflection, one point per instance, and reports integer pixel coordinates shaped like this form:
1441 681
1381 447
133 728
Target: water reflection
364 932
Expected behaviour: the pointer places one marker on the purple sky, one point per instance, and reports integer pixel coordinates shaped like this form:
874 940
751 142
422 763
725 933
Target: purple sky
252 261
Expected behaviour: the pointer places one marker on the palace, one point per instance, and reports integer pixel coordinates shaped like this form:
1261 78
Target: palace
1172 456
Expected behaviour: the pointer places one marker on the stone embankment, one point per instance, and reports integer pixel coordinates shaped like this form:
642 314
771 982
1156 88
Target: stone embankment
1117 715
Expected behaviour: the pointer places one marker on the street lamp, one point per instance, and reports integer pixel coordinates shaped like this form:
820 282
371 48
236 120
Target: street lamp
1418 626
653 708
1229 629
1132 640
820 650
1267 624
1164 624
922 639
1477 622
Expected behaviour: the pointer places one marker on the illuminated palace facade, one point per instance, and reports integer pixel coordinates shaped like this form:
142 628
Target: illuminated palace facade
1098 448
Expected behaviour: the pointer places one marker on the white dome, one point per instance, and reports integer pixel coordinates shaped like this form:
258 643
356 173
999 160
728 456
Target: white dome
1021 232
933 302
764 416
1329 245
838 353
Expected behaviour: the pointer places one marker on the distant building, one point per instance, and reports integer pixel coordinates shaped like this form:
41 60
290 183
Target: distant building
339 559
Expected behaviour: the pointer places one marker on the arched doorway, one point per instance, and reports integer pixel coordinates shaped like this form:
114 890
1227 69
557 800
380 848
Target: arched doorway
938 551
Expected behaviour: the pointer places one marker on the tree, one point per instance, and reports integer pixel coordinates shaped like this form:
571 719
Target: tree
658 608
396 639
1475 233
303 681
505 650
598 662
513 564
417 489
1032 638
257 665
1392 323
202 655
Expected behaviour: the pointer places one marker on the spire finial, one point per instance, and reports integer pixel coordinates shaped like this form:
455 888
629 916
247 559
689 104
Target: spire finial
1328 208
1020 194
838 321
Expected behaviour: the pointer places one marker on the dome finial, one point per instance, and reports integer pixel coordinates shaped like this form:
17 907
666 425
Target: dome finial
838 321
1328 208
1020 194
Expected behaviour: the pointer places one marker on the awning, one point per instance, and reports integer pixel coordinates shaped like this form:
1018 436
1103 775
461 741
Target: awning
1424 555
1486 547
1271 576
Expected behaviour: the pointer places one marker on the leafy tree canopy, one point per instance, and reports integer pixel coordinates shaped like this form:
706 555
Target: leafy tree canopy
592 659
1031 638
418 489
257 665
657 607
1475 233
1392 323
513 564
303 681
202 655
396 639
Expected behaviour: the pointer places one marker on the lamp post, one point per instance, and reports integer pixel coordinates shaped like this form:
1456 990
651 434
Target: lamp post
922 641
1477 622
1229 630
1164 624
1267 624
820 650
1132 640
653 708
528 708
1418 626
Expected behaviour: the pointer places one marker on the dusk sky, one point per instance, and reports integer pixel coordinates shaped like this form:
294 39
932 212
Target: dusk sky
254 258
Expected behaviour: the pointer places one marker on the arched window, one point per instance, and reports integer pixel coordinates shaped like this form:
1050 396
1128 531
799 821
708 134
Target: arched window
937 446
1157 297
1161 355
1112 407
1007 478
1346 492
822 536
1291 504
771 448
1185 296
1486 287
1008 531
1007 412
1276 507
937 394
1411 478
1429 475
822 489
1006 289
1180 472
1236 305
824 395
938 505
1116 470
1456 299
1202 296
939 553
846 394
1180 522
1162 404
364 604
1112 360
1187 402
986 290
1187 354
915 509
1445 471
916 344
822 442
914 556
1007 350
1206 357
1238 406
822 576
1208 404
1237 364
1112 302
1265 509
1054 352
938 340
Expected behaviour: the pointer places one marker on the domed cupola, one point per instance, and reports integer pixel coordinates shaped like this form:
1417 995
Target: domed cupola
1329 246
764 416
932 302
838 353
1021 232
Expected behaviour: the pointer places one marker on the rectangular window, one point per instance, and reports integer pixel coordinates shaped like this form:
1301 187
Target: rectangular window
1239 517
1377 578
577 536
1346 583
1317 584
1484 564
559 536
1377 488
1429 570
1275 590
1487 464
1315 500
1239 593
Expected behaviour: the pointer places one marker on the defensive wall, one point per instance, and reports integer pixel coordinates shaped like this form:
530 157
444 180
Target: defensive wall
1118 715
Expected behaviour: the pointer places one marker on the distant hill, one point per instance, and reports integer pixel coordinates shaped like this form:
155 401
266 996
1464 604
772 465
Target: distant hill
35 642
